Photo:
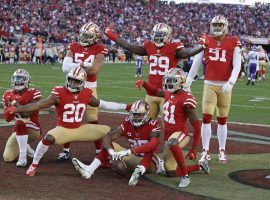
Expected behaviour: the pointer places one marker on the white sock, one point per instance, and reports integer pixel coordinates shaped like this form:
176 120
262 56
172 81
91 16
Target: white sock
66 149
206 133
22 142
222 135
40 151
94 165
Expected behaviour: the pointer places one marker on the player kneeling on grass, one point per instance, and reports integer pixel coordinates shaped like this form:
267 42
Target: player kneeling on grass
143 135
26 127
70 102
178 107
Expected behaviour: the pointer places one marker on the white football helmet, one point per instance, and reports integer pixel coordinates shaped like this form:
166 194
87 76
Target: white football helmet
139 113
161 34
20 79
76 79
174 79
89 34
217 30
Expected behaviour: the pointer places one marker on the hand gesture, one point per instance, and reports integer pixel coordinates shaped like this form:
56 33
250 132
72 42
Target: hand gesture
139 84
192 154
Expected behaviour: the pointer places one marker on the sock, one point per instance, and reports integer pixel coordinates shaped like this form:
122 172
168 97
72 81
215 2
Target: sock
206 133
22 143
179 158
98 145
190 169
222 135
40 151
66 147
94 165
103 156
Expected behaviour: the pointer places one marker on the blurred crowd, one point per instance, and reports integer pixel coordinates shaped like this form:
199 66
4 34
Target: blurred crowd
59 21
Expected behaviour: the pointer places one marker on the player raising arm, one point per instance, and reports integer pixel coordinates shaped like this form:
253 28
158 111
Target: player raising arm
70 102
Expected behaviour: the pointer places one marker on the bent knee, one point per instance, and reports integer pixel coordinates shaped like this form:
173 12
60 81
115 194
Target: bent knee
171 142
49 139
8 157
206 118
170 174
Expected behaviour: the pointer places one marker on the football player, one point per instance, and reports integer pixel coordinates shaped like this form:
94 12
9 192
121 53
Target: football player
263 60
143 135
163 54
26 127
70 102
223 64
253 64
88 54
179 106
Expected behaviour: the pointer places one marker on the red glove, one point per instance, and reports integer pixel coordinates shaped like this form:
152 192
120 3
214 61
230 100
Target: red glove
139 84
203 40
110 34
11 109
8 116
12 98
192 154
128 107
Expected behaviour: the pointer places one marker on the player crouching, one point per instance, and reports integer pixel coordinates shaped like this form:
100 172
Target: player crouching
26 127
143 135
70 101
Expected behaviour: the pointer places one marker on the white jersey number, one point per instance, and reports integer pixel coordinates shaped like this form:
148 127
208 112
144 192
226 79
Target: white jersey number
158 65
73 113
169 113
79 56
217 54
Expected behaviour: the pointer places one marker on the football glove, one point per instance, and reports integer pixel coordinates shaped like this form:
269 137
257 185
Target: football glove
203 40
227 87
139 84
119 155
110 34
192 154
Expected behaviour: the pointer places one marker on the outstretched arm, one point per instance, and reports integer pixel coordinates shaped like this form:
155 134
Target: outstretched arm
46 103
107 105
139 50
188 52
152 90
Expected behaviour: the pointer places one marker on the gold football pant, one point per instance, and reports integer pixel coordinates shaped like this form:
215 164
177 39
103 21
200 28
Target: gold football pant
215 98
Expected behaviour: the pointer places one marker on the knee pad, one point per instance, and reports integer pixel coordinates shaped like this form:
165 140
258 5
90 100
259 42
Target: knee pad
49 139
207 118
171 142
20 128
222 120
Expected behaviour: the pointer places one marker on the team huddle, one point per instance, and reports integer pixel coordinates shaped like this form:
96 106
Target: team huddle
167 93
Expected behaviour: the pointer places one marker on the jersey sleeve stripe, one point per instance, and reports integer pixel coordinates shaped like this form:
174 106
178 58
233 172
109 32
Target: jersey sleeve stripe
191 100
55 93
36 93
37 96
189 104
180 47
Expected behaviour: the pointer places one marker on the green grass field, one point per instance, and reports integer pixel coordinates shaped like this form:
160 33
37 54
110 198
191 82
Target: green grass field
250 104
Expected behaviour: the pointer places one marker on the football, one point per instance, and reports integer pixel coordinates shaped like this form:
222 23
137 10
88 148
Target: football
119 167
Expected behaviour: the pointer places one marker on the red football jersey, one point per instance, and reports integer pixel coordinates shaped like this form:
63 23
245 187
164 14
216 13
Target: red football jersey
71 108
161 60
29 95
218 58
87 54
174 116
138 136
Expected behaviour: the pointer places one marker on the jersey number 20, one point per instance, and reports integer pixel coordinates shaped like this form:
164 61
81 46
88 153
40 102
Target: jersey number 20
73 113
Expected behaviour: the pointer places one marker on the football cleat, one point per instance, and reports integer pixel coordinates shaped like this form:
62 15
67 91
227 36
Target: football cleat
31 170
204 166
222 157
205 155
21 162
65 155
81 168
138 172
184 182
30 151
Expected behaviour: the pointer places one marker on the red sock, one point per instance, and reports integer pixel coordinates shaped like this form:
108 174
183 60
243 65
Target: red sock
146 161
190 169
179 158
103 156
98 143
67 145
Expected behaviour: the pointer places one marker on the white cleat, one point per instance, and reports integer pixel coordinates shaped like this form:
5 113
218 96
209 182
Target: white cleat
204 167
30 151
82 168
222 157
205 155
22 162
138 172
184 182
160 167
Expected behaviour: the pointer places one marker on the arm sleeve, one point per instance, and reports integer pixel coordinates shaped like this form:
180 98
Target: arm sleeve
68 64
148 147
236 65
111 105
197 62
